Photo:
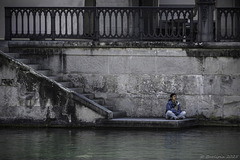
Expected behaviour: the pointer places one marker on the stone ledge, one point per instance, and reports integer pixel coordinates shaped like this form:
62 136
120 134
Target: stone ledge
133 123
128 123
121 44
149 123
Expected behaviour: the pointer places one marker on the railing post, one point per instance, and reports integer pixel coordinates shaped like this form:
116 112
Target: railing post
96 27
53 30
141 23
205 20
8 26
191 25
218 27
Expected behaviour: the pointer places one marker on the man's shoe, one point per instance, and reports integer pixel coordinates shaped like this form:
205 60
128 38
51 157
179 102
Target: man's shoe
183 117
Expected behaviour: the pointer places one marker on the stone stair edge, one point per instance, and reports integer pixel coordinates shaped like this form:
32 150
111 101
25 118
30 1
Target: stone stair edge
93 105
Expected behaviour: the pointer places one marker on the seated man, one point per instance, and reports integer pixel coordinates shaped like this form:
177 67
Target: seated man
173 109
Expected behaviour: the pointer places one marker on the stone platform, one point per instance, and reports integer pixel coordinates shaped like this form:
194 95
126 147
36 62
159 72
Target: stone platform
149 123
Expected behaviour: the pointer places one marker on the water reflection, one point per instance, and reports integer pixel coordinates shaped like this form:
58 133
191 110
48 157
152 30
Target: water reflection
76 144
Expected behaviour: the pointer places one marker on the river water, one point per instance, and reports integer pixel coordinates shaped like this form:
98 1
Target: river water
77 144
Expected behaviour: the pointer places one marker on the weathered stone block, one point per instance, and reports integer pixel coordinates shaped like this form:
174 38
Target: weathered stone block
189 103
230 85
119 65
84 114
173 52
132 85
78 52
212 85
217 105
87 64
221 84
9 96
142 65
57 63
178 65
99 83
221 65
146 105
212 65
149 85
230 65
123 85
231 106
7 72
210 106
181 84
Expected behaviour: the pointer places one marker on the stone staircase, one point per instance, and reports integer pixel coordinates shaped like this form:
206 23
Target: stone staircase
66 83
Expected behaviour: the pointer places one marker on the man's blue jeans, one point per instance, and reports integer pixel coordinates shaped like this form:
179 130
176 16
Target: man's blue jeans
171 115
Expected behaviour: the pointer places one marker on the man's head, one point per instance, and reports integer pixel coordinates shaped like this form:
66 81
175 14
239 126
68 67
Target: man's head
173 96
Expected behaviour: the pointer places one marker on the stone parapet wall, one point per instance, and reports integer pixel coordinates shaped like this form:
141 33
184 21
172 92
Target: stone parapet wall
139 77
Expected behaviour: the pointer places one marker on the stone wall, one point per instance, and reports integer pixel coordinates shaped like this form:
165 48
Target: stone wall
138 78
139 81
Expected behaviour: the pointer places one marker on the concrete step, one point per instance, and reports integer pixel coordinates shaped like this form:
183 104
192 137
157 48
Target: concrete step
45 72
100 101
34 66
119 114
116 113
55 78
67 84
4 49
112 108
23 60
14 55
89 95
77 89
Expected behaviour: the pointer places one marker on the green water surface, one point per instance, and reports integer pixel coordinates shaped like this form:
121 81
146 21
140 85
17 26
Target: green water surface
76 144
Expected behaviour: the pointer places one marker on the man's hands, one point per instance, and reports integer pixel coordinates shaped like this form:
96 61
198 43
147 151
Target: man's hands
176 107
